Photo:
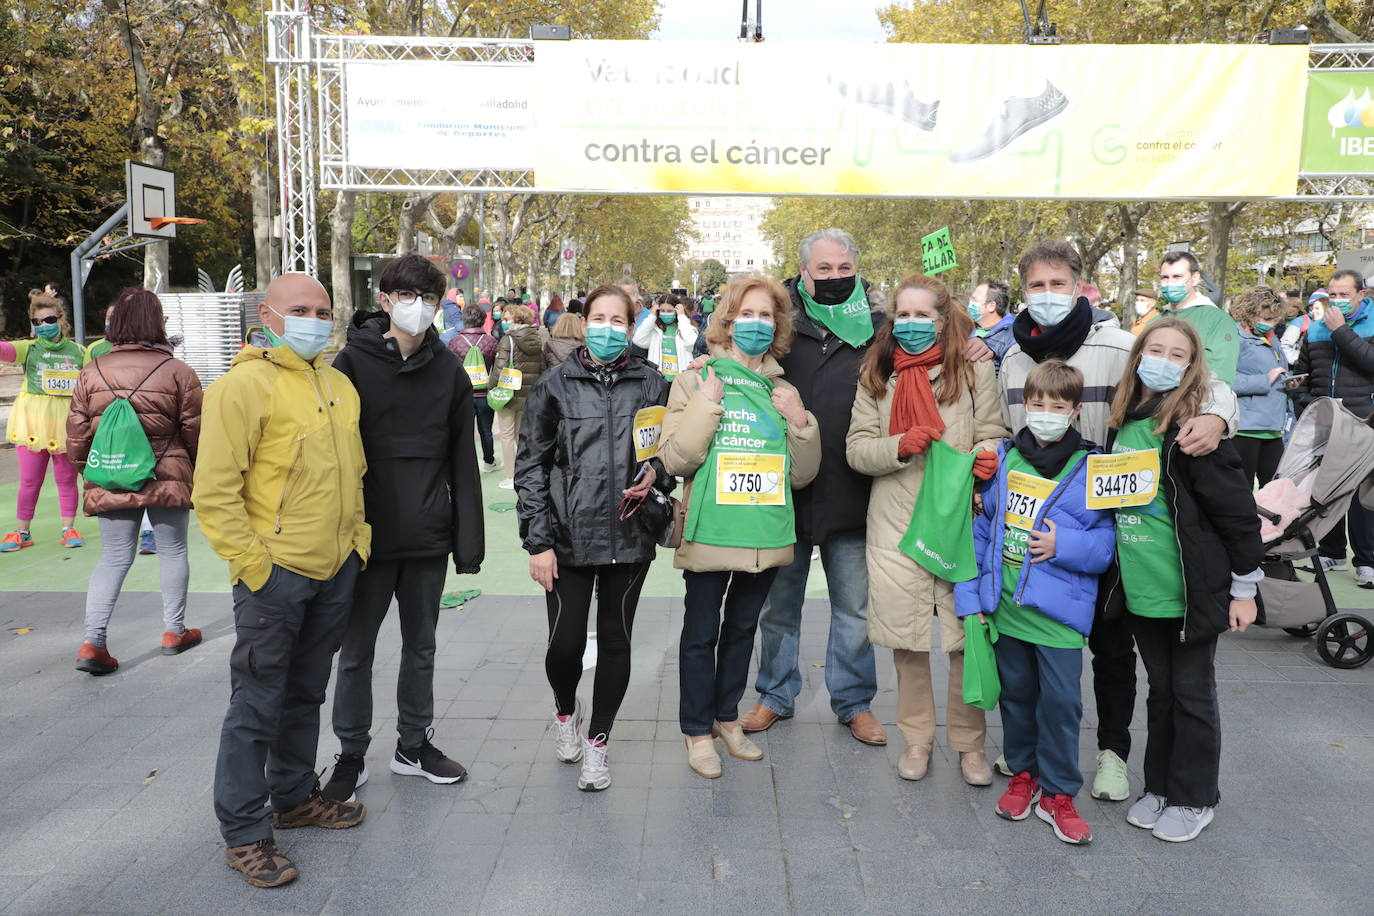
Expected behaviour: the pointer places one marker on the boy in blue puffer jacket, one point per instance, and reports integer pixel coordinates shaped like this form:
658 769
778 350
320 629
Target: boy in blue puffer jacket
1043 609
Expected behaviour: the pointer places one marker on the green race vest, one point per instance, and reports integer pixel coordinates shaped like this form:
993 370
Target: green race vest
1147 545
50 368
741 496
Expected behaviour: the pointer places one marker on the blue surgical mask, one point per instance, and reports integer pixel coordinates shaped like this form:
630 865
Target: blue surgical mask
914 335
667 317
1048 309
505 324
606 341
305 336
1344 305
48 331
975 311
752 336
1263 327
1160 374
1047 426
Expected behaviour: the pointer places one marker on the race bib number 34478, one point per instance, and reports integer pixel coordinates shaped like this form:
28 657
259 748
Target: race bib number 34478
1122 480
750 480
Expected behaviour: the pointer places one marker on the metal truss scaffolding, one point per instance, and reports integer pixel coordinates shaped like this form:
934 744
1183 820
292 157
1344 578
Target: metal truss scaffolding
311 66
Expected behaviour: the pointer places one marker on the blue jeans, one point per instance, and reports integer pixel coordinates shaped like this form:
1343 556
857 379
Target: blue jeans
850 675
1042 707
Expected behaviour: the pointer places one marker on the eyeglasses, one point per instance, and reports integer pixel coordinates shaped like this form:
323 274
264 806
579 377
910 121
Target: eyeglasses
51 319
409 295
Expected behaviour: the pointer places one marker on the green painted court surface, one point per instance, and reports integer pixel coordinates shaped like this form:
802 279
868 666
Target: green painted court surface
47 566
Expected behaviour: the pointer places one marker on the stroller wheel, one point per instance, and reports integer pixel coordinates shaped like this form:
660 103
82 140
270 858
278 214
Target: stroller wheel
1303 632
1343 641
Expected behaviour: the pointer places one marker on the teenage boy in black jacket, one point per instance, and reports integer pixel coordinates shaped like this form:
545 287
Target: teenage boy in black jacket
423 499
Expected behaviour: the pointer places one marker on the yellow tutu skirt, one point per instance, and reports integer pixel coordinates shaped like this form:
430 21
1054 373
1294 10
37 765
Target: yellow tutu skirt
39 421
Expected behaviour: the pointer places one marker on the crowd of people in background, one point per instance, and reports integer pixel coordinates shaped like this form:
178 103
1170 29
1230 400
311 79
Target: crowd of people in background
817 418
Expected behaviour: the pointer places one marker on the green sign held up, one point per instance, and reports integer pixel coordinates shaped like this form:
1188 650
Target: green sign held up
937 253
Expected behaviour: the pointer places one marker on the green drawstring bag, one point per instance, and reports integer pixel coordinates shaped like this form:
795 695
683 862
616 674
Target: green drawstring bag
982 686
121 459
499 397
940 536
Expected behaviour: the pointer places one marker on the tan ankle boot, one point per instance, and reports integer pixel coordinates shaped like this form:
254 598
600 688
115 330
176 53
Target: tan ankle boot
974 766
736 742
702 757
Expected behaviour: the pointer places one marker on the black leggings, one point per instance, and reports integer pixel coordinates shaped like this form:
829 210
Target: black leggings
1259 457
570 603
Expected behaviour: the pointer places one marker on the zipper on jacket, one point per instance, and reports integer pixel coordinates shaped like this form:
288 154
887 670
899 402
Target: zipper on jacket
612 516
1044 510
315 382
1183 568
290 478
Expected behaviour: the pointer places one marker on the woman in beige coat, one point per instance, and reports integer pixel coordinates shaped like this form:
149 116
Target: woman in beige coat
740 436
916 370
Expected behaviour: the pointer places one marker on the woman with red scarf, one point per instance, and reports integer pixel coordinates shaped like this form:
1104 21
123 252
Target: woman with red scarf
916 386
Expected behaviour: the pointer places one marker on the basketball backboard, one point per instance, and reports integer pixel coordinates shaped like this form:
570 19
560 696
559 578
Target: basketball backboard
151 194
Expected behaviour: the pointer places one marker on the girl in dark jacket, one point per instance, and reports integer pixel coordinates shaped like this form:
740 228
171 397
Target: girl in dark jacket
1188 552
579 484
166 395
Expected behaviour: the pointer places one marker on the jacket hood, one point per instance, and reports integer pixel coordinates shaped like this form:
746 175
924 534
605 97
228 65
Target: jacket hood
283 356
453 314
367 338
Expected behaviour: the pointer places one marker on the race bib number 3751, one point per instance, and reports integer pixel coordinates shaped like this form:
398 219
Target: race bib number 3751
750 480
1026 493
1122 480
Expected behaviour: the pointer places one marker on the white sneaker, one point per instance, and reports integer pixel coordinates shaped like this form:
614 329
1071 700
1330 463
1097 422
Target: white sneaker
568 743
507 484
596 773
1364 576
489 468
1111 782
1330 564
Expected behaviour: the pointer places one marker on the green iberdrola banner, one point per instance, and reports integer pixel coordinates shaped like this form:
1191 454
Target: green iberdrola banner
1072 121
1338 127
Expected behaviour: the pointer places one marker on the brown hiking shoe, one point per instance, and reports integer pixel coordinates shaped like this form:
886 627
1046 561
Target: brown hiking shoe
262 863
318 811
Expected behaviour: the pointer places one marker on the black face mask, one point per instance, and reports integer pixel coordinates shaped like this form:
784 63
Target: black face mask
835 290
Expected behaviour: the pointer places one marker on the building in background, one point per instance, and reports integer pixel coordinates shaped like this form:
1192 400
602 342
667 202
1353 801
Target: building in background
729 229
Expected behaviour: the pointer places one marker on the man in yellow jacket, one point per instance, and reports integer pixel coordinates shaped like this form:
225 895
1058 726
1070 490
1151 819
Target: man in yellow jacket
279 495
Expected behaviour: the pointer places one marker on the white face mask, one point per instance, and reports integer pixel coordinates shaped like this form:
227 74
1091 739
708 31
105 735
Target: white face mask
1047 426
1143 306
411 315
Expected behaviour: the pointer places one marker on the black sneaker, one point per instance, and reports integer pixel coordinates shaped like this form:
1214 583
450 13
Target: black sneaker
1019 114
350 773
427 761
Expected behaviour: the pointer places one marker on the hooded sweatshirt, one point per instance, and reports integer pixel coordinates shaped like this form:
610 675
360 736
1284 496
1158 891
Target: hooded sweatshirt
279 470
422 490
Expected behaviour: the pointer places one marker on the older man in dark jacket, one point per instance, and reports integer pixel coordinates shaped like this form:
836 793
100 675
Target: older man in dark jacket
834 327
424 502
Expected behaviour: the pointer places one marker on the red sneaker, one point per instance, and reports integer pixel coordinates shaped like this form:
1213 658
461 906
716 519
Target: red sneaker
176 643
1058 811
1015 803
95 661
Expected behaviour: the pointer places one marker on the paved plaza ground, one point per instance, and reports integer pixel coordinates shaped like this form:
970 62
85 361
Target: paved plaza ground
105 783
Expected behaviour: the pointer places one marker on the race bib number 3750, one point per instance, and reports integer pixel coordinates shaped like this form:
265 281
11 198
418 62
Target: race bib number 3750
750 480
1122 480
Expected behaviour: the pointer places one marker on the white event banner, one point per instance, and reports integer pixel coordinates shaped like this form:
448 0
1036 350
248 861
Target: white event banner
440 115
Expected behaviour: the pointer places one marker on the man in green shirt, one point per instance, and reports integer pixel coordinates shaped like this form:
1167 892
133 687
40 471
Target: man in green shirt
1181 295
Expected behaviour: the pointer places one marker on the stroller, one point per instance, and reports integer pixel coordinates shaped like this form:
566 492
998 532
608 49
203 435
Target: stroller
1327 462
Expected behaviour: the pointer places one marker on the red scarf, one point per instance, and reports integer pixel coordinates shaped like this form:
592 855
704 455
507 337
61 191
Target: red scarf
913 403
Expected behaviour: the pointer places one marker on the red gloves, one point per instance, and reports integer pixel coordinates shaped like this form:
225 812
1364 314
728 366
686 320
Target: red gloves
916 441
984 464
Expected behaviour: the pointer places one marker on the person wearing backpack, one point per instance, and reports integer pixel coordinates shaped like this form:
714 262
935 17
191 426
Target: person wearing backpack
151 401
477 350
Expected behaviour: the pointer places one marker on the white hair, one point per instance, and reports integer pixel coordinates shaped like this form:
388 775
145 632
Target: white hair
834 235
